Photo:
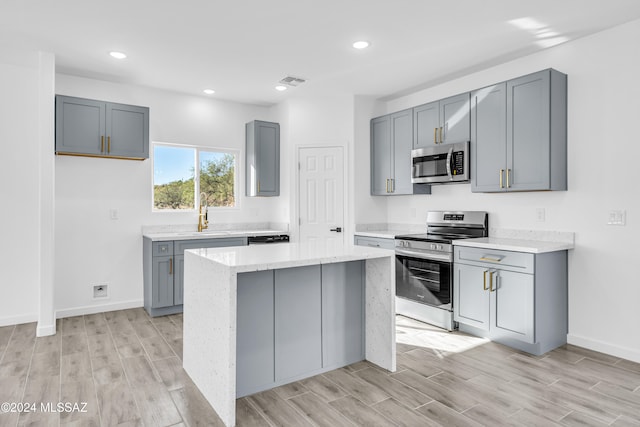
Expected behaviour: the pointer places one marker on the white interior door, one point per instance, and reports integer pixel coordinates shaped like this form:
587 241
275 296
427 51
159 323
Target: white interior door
321 195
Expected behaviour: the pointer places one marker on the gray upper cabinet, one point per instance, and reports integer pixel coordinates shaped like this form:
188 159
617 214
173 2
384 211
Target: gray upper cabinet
86 127
391 140
488 137
262 158
519 138
442 122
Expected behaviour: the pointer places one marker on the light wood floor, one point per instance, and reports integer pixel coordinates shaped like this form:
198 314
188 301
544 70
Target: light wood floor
127 368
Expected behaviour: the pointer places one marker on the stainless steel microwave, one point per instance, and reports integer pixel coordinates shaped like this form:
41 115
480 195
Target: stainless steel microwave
447 163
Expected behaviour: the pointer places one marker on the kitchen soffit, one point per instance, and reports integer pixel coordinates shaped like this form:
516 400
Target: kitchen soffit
243 49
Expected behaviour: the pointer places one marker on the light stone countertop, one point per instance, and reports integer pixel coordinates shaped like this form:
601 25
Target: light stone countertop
384 234
209 234
515 245
270 257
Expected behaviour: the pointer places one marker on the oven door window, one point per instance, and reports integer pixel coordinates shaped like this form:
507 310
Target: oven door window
423 280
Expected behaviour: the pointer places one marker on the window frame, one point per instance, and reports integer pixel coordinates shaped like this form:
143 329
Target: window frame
196 185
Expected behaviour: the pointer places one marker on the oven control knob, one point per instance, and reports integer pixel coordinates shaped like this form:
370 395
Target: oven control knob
439 247
433 246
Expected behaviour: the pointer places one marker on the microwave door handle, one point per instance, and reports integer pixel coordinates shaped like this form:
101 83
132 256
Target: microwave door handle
449 157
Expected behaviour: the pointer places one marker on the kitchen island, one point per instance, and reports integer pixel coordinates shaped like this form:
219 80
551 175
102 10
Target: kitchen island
257 317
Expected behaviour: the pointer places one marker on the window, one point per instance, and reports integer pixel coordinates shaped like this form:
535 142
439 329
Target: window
181 174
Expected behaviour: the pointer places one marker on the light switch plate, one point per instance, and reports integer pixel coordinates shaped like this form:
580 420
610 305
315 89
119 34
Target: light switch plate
540 214
113 213
617 217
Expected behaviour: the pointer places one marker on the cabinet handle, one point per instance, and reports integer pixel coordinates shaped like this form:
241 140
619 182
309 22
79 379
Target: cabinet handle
101 144
484 280
487 258
393 185
435 135
373 245
491 273
387 185
501 173
108 144
171 266
508 174
258 186
440 134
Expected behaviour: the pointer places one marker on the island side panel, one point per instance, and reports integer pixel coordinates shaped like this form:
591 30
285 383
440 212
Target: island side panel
380 312
209 333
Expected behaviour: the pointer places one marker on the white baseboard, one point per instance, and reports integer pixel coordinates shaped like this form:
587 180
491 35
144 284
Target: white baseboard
45 330
604 347
17 320
92 309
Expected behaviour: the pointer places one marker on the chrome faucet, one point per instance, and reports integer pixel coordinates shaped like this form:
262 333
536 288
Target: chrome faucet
203 220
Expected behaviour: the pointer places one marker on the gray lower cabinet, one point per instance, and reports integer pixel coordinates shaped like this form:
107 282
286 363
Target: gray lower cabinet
391 142
442 122
297 322
163 271
87 127
519 134
375 242
262 158
518 299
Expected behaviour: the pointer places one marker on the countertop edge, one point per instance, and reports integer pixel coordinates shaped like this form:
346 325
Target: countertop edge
163 237
514 245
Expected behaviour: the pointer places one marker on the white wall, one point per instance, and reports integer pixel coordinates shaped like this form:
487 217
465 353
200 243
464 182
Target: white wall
90 247
603 152
313 121
19 215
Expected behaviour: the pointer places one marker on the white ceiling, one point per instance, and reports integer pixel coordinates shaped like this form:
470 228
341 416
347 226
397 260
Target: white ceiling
242 48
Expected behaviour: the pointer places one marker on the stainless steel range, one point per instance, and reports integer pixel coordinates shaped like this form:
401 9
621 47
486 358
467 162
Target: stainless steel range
424 265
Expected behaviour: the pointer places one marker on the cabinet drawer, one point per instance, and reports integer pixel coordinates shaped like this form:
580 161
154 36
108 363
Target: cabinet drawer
162 248
375 242
182 245
506 260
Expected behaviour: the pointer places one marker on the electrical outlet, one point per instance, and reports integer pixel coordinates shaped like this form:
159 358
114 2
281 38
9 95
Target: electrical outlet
113 214
540 214
101 290
617 217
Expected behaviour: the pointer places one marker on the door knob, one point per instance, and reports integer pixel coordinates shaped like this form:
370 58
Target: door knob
337 229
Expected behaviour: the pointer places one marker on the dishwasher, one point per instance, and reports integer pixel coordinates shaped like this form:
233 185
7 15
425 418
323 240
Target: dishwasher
263 240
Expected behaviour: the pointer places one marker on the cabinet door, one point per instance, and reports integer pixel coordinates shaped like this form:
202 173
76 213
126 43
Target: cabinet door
127 131
454 119
528 132
162 279
80 125
402 140
512 306
298 321
471 299
178 279
426 124
255 332
342 313
268 158
380 155
488 138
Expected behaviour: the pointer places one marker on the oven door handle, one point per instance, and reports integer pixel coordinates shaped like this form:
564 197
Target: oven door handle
449 156
437 256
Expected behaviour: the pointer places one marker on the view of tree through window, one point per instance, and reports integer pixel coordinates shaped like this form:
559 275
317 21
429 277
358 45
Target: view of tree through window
175 180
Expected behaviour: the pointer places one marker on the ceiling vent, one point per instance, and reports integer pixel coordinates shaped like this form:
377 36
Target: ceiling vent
292 81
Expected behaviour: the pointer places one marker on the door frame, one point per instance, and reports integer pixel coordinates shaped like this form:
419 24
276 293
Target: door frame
345 179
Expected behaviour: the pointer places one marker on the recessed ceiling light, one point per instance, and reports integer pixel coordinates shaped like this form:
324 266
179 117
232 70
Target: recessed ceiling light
209 91
281 88
118 55
361 44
